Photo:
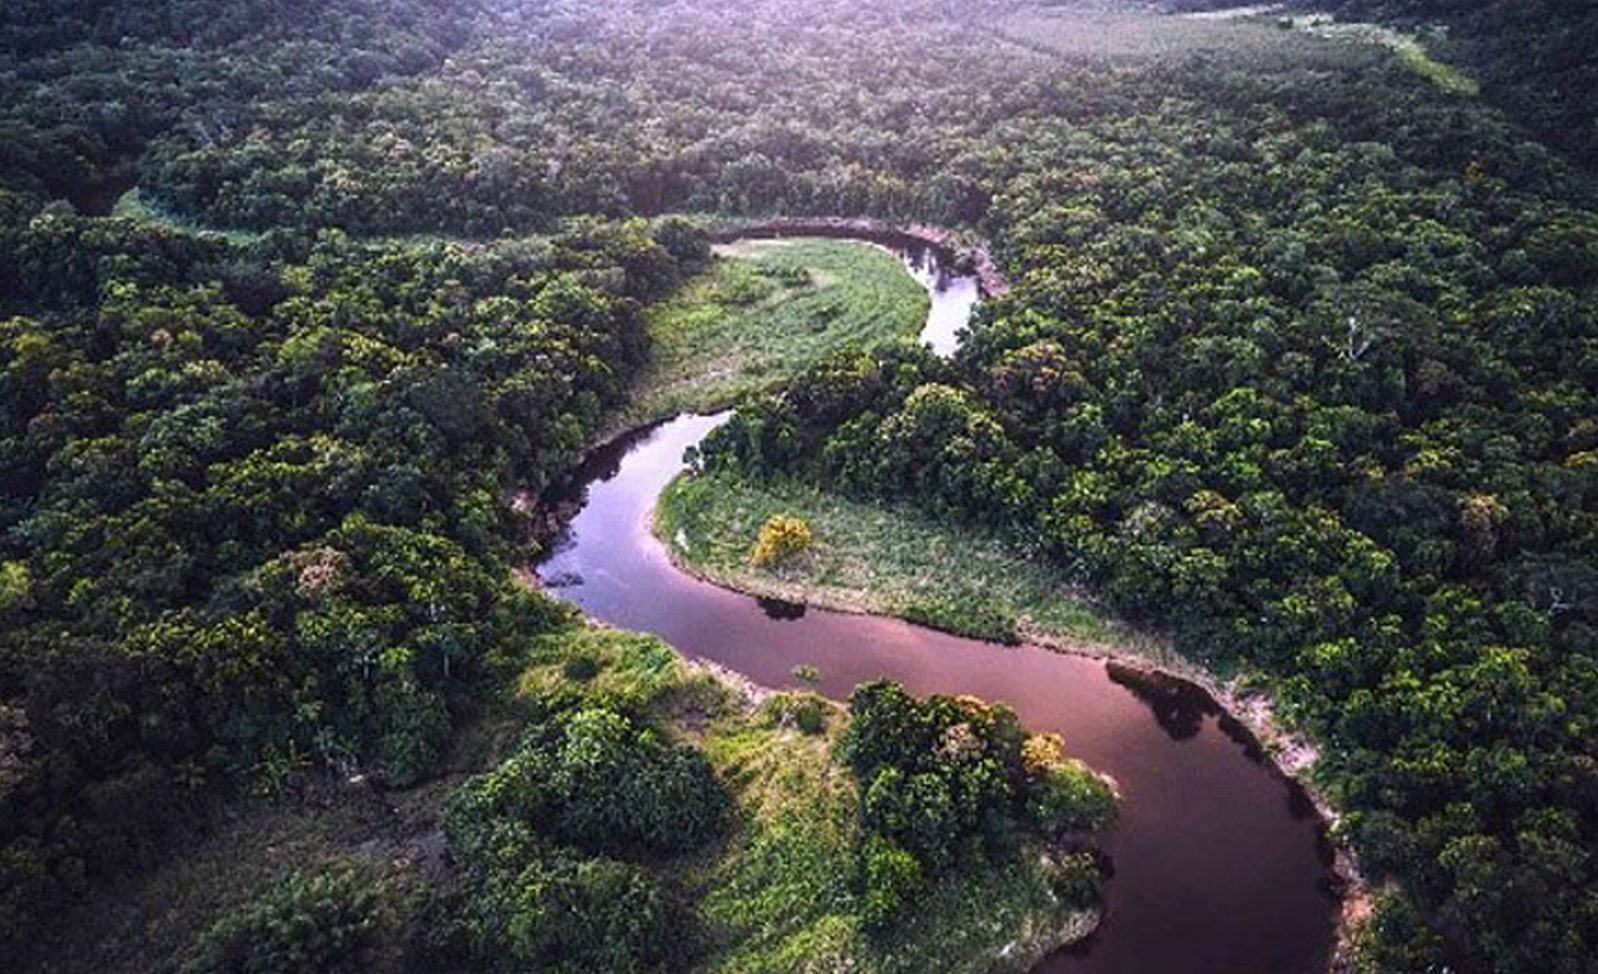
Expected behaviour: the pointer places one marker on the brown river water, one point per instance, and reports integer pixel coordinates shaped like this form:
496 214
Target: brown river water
1219 862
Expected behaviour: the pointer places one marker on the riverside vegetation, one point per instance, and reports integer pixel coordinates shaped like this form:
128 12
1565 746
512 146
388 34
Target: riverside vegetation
1298 363
763 311
870 557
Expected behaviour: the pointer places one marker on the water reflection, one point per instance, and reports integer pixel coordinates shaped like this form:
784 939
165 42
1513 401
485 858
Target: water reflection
954 296
781 608
1179 707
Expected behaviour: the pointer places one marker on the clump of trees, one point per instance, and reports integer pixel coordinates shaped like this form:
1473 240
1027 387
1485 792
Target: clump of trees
554 847
950 780
600 781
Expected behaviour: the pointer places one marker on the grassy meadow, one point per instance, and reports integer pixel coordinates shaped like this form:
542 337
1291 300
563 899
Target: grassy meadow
762 313
1267 40
891 561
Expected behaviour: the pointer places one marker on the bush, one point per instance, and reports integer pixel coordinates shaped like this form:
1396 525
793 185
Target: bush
599 781
892 877
781 537
581 669
804 710
318 924
1076 879
1063 794
574 916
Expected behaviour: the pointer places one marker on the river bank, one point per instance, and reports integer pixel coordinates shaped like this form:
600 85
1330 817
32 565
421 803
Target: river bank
966 256
1269 889
707 522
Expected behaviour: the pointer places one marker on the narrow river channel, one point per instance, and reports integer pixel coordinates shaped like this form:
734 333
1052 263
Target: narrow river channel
1219 863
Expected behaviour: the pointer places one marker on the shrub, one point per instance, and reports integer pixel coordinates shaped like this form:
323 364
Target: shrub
1063 794
581 668
804 710
575 916
599 781
892 876
532 906
317 924
781 537
1076 879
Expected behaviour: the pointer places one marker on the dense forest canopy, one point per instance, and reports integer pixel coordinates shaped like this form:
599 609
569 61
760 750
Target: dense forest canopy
1300 362
1535 55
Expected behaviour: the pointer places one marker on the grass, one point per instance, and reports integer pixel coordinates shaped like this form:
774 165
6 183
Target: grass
762 313
1407 48
1263 41
891 561
133 205
1133 37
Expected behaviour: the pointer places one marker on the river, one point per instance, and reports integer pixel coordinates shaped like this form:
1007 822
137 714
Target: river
1220 864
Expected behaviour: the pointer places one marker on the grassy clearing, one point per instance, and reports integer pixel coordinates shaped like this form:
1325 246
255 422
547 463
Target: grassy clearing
1407 48
892 561
1128 36
762 313
1255 36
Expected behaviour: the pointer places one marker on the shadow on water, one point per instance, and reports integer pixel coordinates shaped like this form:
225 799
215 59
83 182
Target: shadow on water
781 609
603 463
1179 707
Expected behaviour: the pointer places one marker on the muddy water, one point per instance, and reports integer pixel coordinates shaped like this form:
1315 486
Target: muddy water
1219 862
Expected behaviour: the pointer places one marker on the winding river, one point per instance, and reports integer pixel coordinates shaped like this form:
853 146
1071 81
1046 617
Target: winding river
1220 865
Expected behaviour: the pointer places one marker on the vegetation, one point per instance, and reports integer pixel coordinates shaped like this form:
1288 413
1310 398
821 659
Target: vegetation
1298 362
319 923
781 538
889 560
1339 435
949 779
1535 56
604 842
255 529
764 311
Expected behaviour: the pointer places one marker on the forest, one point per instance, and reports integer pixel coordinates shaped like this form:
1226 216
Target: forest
1299 366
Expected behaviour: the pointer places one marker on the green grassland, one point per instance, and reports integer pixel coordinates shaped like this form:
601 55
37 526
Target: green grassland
762 313
1098 36
891 561
1267 42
